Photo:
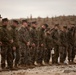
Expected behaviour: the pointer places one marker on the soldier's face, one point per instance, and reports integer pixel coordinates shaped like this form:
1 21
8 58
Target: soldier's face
14 24
63 29
56 27
5 23
25 24
33 25
43 27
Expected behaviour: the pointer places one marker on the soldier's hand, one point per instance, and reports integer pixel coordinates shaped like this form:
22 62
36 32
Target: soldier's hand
33 44
42 45
28 43
14 48
11 41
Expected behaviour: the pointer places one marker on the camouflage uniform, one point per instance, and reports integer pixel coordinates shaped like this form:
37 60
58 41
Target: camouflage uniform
55 34
63 46
71 47
24 49
15 36
6 51
48 47
34 39
40 49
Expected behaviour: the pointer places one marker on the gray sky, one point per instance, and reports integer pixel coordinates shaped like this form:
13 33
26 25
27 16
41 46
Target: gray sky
43 8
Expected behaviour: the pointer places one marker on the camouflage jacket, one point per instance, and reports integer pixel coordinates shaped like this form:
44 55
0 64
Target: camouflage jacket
41 36
64 39
24 34
5 36
71 36
55 34
34 36
48 41
15 35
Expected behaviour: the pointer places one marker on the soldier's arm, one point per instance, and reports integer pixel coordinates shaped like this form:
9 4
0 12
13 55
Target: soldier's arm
21 36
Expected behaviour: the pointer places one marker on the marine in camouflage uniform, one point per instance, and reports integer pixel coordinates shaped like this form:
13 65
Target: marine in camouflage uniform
41 44
64 44
34 42
6 40
71 43
48 47
55 34
24 43
15 45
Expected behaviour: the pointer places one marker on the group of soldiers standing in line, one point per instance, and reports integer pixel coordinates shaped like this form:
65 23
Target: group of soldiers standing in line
29 44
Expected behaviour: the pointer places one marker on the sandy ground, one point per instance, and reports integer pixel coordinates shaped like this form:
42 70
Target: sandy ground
45 70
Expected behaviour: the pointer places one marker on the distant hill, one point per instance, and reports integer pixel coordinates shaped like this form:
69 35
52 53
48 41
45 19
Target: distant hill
62 20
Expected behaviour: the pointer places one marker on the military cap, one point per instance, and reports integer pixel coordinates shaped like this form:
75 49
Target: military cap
46 25
34 22
24 21
4 19
15 21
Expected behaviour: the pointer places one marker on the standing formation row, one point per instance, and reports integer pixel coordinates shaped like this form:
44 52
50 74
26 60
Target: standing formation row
29 44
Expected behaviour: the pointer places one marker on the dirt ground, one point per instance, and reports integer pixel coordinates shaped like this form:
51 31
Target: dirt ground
45 70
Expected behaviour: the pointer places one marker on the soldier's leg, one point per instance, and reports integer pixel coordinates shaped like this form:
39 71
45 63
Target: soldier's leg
26 56
3 56
33 57
73 54
47 56
61 54
53 58
65 53
69 53
40 56
37 55
17 57
9 57
21 50
56 54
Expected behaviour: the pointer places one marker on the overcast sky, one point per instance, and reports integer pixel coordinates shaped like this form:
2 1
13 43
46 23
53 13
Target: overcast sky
43 8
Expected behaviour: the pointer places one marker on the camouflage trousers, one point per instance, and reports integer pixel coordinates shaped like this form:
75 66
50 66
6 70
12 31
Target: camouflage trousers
16 56
32 55
23 55
47 55
6 55
63 53
71 53
40 55
55 55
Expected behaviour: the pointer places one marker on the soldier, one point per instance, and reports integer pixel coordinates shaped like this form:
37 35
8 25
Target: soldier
71 42
15 45
64 44
34 42
55 34
48 47
5 42
24 43
41 44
